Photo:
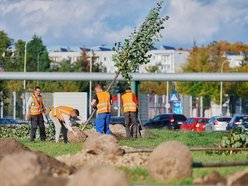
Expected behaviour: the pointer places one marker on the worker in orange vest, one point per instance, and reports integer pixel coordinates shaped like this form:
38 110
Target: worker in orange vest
102 101
35 110
61 117
130 106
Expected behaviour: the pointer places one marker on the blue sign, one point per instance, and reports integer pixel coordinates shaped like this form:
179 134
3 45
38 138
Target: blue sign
174 97
177 107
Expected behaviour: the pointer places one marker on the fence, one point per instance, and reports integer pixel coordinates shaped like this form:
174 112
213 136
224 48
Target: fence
149 105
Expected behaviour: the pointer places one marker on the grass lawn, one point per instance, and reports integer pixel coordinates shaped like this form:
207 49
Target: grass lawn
140 176
52 148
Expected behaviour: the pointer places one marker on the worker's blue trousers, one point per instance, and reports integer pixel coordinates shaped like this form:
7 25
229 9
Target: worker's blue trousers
102 123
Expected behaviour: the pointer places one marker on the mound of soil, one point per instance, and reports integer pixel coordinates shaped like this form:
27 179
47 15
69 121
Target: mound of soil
127 160
19 168
98 175
48 180
213 179
26 168
48 163
238 178
9 146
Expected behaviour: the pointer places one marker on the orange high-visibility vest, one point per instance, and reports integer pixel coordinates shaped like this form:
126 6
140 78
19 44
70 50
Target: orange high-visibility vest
37 108
103 105
58 111
128 103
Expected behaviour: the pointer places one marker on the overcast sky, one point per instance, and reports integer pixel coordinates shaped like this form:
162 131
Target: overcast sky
94 22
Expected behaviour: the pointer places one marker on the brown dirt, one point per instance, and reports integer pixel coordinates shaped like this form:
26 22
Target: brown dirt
98 175
238 178
213 179
9 146
127 160
48 181
49 164
19 168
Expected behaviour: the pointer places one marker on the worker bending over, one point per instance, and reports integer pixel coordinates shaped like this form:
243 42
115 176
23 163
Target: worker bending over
61 117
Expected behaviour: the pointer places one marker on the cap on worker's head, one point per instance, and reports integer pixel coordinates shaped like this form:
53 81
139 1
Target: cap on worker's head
76 111
128 88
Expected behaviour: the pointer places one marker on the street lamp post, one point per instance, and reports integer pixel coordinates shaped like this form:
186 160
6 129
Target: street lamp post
221 87
24 81
90 86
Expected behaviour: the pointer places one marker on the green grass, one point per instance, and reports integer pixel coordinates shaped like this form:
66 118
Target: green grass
52 148
139 176
157 137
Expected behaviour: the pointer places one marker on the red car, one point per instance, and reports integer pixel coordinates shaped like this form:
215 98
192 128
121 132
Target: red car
194 124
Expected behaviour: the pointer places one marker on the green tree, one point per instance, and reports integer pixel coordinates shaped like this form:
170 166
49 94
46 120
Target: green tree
5 57
5 43
37 55
133 52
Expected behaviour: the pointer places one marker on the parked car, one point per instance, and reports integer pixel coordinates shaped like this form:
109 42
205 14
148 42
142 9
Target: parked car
166 121
195 124
117 120
237 120
217 123
10 122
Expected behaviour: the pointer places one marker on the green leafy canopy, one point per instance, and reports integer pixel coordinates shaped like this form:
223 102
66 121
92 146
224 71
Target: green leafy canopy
133 53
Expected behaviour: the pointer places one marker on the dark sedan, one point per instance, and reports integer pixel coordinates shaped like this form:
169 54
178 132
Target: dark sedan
166 121
238 121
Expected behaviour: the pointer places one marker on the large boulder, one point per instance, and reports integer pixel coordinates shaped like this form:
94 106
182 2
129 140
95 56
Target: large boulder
98 175
170 160
102 144
118 130
81 136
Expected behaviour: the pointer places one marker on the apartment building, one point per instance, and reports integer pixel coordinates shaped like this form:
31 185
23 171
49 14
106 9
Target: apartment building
168 59
235 59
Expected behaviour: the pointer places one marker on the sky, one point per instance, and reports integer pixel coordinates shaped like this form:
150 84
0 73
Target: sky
88 23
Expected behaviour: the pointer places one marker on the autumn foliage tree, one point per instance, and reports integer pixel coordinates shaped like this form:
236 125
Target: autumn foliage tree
210 59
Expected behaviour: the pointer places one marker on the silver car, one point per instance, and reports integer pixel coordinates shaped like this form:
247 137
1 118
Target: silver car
217 123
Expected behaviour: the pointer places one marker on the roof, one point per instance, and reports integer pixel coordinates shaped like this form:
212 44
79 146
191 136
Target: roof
63 50
167 47
87 49
230 54
101 48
